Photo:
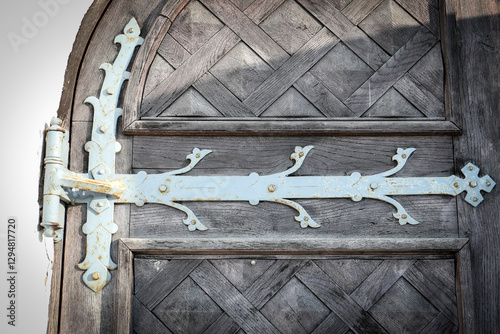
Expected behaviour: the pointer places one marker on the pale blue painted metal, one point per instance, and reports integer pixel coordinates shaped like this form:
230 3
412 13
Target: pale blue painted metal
101 188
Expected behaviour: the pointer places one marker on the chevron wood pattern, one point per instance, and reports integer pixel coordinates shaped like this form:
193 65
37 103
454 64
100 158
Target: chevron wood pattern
299 58
268 295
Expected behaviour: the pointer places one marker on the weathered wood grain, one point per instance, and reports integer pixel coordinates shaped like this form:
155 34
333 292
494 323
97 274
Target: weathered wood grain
190 71
145 270
441 324
242 4
55 290
290 71
394 105
291 127
259 10
379 281
217 94
189 104
390 26
321 97
435 289
332 324
161 285
424 12
417 94
224 324
291 104
351 35
391 71
475 97
248 31
430 73
465 291
124 289
172 8
172 52
357 10
230 300
242 273
145 322
160 69
337 300
271 281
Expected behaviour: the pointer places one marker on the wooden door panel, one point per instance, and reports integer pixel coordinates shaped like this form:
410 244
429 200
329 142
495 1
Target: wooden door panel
307 296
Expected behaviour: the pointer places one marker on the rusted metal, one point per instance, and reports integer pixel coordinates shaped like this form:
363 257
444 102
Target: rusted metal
101 188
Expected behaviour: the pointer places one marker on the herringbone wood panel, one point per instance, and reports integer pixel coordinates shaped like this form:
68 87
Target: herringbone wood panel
295 296
299 58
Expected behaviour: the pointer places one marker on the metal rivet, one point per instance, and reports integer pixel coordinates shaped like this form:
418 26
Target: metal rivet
470 168
193 222
456 185
404 216
271 188
96 276
301 154
198 155
100 204
101 172
110 90
474 199
473 184
374 185
306 218
252 262
131 31
163 188
104 128
488 183
403 156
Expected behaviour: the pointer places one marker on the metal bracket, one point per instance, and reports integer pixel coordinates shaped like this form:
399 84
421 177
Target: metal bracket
101 188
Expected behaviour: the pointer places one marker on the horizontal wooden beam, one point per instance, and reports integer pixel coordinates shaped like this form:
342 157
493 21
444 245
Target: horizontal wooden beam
292 127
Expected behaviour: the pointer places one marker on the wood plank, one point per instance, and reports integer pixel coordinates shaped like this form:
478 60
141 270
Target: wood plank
259 10
172 8
441 324
125 286
350 34
230 300
434 289
290 71
242 4
291 104
194 27
297 245
172 52
417 94
191 70
390 26
332 324
357 10
242 273
145 270
392 104
162 284
424 12
391 72
475 94
348 273
465 296
55 290
290 127
159 71
190 104
145 322
321 97
267 285
248 31
379 281
337 300
219 96
429 72
224 324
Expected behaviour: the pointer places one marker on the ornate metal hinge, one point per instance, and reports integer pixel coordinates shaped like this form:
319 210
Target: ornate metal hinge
101 187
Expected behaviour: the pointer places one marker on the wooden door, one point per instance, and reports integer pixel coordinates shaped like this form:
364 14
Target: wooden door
252 80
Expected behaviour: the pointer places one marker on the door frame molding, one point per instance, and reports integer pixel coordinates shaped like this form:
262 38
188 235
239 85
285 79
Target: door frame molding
457 248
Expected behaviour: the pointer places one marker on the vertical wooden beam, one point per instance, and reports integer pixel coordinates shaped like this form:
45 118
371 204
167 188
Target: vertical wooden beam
124 289
472 54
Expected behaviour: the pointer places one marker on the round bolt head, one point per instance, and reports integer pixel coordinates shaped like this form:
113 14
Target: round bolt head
488 183
271 188
100 204
470 168
374 185
306 218
301 154
198 155
252 262
474 199
110 90
163 188
456 185
403 156
103 128
96 276
101 172
473 184
193 222
131 31
404 216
